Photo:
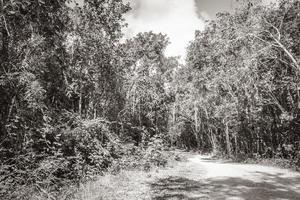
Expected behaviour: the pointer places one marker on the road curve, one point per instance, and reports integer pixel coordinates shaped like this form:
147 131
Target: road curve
202 177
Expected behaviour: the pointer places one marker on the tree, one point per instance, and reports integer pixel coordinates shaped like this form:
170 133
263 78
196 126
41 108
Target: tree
247 66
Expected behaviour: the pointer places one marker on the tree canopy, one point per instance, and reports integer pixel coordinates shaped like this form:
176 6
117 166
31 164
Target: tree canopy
74 95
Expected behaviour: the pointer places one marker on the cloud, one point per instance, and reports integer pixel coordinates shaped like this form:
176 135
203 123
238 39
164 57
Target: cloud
176 18
211 7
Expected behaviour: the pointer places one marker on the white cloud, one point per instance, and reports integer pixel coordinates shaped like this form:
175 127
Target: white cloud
176 18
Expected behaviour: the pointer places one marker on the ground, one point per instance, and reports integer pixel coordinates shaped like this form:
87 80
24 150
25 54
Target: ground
199 177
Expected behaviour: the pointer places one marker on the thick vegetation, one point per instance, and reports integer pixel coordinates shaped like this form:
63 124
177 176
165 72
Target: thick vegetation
75 101
73 98
239 92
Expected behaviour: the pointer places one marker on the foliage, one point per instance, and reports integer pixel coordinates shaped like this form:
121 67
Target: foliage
77 101
71 94
242 97
141 158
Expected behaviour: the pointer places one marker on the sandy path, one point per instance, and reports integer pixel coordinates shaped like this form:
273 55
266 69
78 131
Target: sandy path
198 177
204 178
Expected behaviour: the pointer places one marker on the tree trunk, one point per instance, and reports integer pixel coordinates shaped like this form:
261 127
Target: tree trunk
196 125
236 144
289 54
80 102
4 111
11 107
174 113
228 144
174 108
140 119
95 111
4 49
214 142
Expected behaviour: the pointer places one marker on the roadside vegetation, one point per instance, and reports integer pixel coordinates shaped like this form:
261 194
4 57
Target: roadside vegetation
238 95
77 103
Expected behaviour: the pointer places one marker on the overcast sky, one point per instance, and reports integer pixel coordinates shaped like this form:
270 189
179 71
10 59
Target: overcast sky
177 18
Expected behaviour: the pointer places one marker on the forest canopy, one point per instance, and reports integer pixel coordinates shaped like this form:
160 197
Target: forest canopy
76 99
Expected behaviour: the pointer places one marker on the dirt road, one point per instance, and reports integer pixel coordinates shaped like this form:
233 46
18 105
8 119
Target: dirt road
195 178
201 177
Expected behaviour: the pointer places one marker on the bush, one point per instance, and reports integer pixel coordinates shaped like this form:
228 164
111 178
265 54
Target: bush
141 158
68 154
69 151
155 152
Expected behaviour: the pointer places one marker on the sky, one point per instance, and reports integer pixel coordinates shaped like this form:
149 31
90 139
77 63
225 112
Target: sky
177 18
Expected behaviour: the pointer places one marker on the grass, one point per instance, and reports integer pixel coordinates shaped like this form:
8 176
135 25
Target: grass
154 184
121 186
283 163
274 162
131 185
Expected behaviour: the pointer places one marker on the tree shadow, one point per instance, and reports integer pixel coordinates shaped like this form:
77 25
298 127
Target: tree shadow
176 188
218 160
269 187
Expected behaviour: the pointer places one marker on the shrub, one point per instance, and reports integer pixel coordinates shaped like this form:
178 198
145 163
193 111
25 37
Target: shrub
154 153
66 155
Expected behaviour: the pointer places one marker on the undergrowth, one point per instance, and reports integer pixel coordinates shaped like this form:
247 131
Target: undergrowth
71 154
286 160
